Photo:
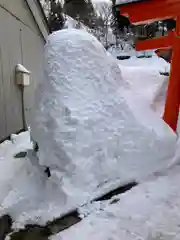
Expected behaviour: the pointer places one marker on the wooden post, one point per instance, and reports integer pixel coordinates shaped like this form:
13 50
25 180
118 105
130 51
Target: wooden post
173 94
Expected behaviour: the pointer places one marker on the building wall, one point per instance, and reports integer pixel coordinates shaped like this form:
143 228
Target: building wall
20 42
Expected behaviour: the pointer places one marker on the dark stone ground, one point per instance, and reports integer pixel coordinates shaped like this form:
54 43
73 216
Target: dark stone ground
37 232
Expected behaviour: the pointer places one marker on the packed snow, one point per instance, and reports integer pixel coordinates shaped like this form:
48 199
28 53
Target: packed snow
25 192
89 129
27 195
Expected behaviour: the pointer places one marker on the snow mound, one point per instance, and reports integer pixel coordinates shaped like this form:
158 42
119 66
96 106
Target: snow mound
26 194
91 129
148 84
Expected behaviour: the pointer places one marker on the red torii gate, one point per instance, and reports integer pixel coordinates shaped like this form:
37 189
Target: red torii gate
152 10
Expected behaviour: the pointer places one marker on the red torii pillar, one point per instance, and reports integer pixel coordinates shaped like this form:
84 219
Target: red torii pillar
153 10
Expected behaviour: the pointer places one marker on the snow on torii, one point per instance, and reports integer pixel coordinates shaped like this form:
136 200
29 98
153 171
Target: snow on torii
120 2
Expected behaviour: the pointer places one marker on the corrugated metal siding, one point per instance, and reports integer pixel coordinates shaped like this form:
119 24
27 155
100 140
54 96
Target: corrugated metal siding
13 94
20 42
10 56
19 9
33 61
2 102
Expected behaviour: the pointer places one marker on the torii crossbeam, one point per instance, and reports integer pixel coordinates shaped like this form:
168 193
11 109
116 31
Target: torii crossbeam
152 10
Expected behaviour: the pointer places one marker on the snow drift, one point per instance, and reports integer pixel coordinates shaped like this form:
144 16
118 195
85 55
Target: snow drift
92 132
148 84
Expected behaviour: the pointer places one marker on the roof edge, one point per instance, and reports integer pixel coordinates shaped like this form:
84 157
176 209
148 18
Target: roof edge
39 17
43 13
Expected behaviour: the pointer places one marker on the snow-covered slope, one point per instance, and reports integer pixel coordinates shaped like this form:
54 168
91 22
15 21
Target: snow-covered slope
90 129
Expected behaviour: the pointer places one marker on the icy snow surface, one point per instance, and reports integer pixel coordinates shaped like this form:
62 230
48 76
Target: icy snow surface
92 130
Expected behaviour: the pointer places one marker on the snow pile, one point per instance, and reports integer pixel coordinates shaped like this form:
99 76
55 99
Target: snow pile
16 144
144 78
27 195
90 129
148 84
94 136
18 178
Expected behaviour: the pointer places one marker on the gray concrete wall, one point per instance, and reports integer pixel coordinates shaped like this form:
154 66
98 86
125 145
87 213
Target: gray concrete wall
20 42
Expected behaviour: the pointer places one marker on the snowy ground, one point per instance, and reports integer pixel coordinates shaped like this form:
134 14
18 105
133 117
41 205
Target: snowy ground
150 211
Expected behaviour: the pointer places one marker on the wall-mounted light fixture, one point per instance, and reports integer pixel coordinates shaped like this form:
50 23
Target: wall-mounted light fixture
22 75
